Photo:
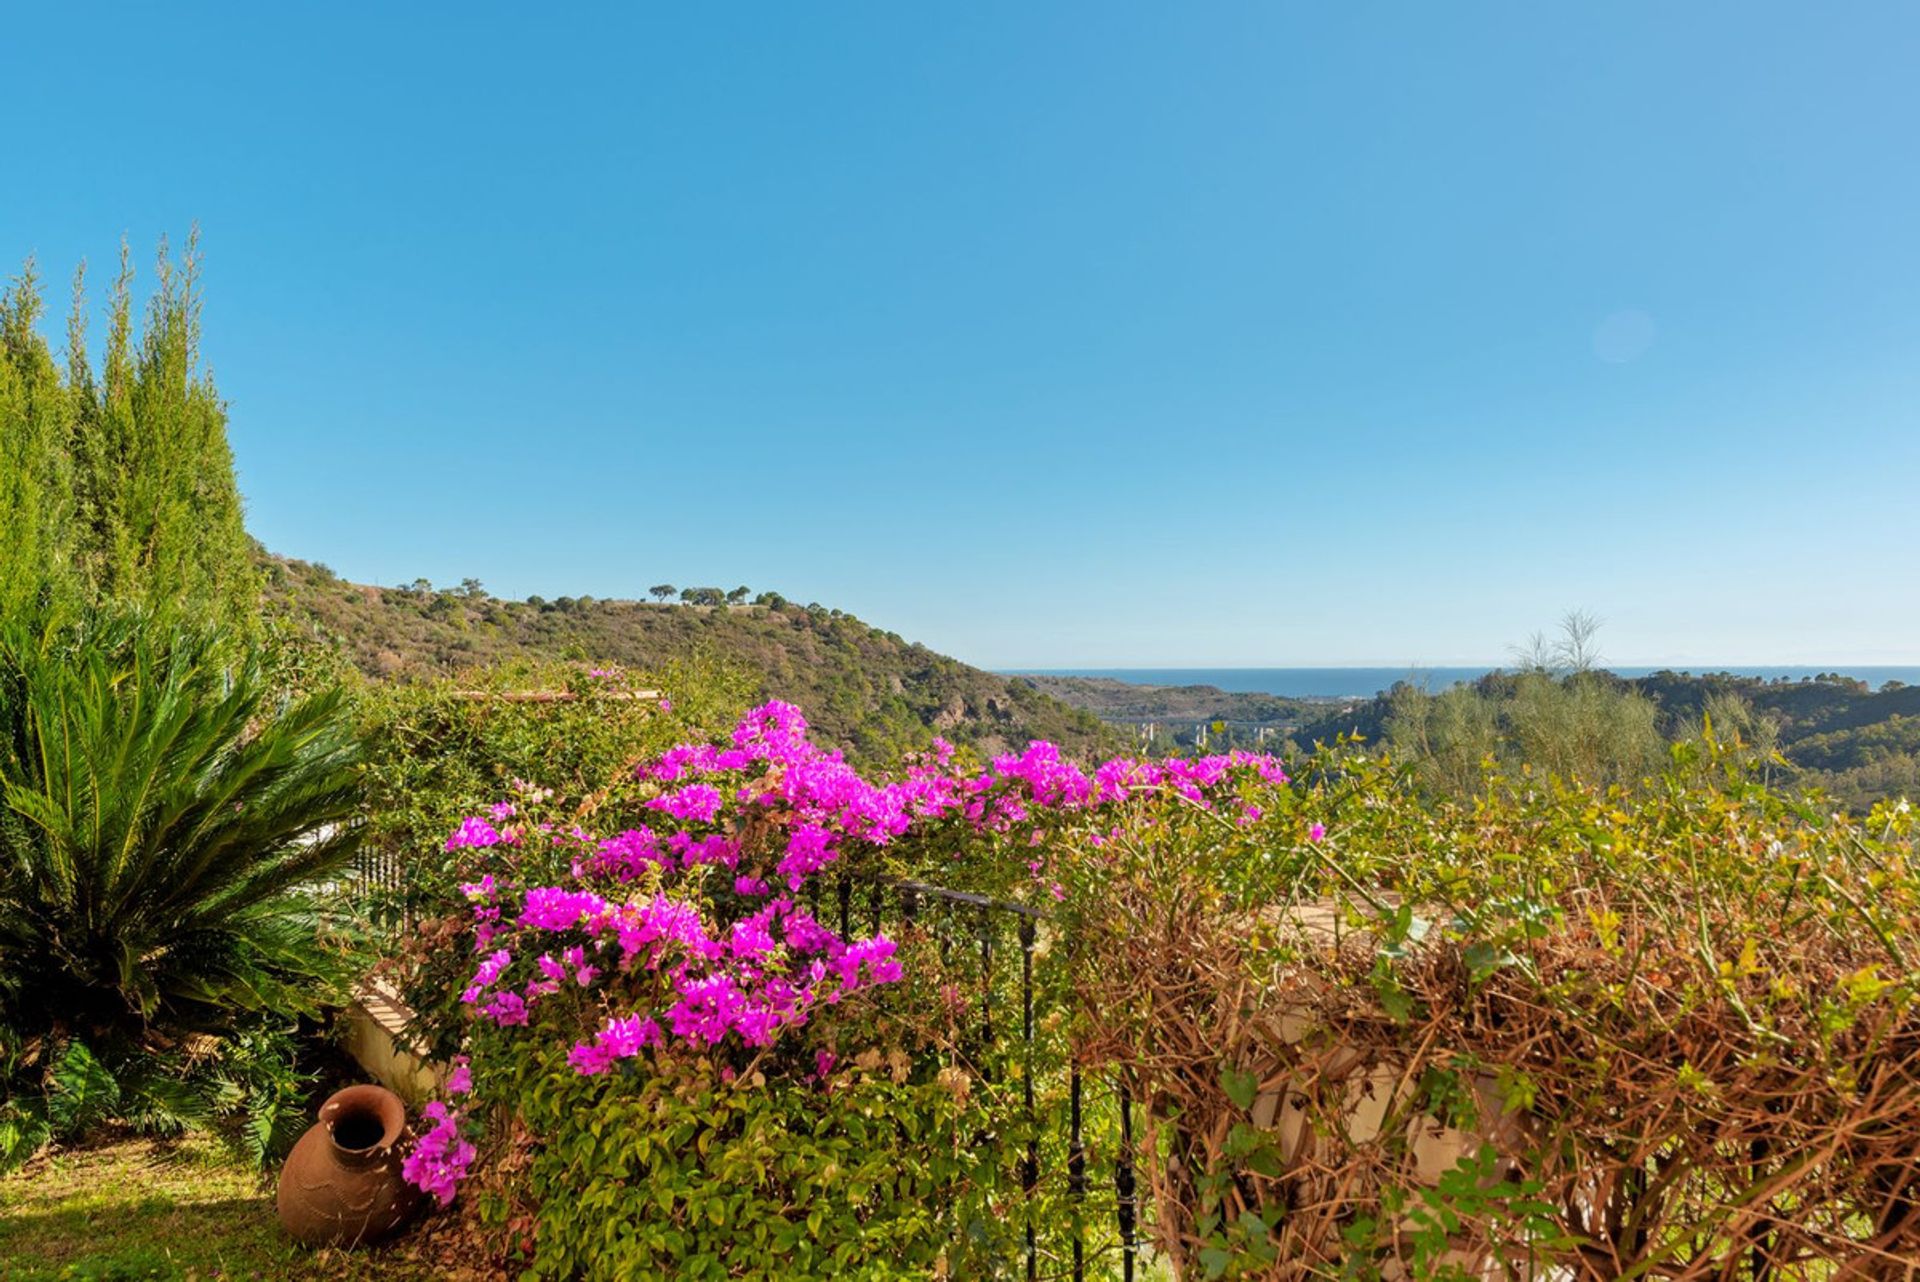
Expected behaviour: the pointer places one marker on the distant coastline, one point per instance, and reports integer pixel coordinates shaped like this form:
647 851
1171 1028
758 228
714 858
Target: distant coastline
1364 683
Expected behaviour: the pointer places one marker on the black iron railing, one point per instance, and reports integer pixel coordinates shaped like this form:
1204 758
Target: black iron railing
1098 1167
957 920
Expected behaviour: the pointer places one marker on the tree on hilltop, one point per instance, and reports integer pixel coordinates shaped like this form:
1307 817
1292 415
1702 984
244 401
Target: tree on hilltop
661 591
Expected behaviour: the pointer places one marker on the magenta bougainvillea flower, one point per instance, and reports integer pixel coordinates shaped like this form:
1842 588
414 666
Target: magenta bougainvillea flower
473 831
440 1158
770 811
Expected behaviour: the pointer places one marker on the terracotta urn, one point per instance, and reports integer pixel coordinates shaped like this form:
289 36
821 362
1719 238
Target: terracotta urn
341 1185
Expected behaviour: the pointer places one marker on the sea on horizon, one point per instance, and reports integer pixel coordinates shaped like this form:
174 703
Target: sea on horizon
1363 683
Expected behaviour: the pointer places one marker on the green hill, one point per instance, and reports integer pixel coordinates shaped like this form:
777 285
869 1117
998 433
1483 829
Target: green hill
866 690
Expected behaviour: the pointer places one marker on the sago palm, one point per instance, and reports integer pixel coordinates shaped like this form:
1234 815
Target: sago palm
164 822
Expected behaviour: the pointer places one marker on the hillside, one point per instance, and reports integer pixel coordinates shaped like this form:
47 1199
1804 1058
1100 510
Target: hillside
866 690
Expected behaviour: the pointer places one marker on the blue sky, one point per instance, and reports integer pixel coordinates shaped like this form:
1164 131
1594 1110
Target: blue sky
1049 334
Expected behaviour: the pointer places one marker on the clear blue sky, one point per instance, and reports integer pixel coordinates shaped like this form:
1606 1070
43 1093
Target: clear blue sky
1049 334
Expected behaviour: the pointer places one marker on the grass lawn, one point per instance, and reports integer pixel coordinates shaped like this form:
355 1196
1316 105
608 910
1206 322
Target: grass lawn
133 1208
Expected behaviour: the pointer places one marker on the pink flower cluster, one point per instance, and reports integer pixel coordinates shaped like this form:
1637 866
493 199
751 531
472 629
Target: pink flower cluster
771 809
767 972
473 831
826 803
439 1159
617 1039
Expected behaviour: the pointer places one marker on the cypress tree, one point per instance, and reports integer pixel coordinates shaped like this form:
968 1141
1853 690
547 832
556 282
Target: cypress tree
93 494
120 486
183 518
36 515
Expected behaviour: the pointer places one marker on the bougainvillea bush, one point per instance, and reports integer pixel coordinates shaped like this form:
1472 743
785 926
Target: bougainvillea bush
683 1059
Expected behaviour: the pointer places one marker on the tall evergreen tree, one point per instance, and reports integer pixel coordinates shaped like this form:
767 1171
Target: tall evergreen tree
36 517
93 482
119 486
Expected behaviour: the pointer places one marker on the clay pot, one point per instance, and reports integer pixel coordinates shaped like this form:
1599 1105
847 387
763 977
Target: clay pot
341 1185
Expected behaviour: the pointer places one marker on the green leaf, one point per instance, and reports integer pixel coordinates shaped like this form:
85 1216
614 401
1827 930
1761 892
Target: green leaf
1483 959
1241 1087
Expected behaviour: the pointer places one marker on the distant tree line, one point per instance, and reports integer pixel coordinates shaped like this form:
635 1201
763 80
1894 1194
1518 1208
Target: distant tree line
471 589
664 592
1559 714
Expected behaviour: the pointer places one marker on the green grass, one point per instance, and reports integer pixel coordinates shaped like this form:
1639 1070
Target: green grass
137 1209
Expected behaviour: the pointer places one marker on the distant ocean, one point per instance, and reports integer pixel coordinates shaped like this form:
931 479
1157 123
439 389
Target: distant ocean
1341 683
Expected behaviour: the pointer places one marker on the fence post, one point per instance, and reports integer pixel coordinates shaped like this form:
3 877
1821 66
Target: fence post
1031 1172
1123 1185
986 977
1076 1172
945 913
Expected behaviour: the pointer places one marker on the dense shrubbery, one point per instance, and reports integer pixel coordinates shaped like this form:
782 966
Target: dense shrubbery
166 799
1682 1019
662 955
1557 714
162 820
438 750
861 1176
1580 726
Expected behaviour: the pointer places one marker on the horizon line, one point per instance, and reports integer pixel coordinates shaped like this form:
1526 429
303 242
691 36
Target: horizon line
1673 665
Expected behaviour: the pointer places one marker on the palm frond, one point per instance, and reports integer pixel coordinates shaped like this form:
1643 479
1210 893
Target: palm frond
163 820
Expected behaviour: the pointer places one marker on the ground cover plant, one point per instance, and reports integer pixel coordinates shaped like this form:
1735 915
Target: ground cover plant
130 1209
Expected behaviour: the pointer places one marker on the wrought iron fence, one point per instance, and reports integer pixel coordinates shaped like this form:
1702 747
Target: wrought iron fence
379 870
1096 1152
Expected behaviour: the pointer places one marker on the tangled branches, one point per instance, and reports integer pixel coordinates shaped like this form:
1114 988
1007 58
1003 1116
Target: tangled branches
1560 1036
